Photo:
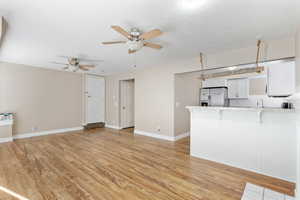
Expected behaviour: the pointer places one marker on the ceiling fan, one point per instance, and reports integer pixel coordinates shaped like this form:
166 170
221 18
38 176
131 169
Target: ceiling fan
136 39
74 64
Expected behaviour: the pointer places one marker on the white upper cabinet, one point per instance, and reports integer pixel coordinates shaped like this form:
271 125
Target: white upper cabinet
238 88
214 82
281 79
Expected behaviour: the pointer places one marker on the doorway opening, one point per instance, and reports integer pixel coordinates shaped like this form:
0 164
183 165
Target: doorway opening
126 108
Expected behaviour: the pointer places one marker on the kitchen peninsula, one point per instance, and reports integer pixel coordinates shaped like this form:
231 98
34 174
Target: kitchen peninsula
262 140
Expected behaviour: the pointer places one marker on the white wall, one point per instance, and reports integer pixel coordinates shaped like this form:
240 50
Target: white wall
154 87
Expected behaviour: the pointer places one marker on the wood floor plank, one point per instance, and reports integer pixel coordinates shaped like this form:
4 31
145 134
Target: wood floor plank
105 164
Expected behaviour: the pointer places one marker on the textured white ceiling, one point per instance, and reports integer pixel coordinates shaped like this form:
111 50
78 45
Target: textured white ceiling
41 30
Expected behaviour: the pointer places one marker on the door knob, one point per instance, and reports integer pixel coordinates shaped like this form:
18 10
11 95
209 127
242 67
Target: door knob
123 107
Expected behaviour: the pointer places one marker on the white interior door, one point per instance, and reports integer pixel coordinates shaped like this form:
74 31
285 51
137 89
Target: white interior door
127 103
95 99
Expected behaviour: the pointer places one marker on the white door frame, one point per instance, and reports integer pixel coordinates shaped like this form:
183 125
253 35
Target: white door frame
120 103
85 96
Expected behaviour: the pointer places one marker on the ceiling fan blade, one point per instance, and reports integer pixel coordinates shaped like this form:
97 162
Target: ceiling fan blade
83 68
131 51
121 31
87 66
115 42
151 34
152 45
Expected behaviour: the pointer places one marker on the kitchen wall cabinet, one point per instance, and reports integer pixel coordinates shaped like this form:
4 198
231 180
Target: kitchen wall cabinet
238 88
281 79
214 82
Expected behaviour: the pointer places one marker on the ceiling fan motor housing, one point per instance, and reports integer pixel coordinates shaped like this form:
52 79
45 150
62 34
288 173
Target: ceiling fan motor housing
135 45
74 61
135 33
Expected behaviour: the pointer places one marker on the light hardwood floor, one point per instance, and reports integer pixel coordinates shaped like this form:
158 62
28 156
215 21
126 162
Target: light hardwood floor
115 165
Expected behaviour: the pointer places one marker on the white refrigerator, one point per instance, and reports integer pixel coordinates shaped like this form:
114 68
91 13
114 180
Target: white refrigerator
214 96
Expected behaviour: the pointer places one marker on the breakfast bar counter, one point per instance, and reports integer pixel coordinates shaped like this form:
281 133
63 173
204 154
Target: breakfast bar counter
262 140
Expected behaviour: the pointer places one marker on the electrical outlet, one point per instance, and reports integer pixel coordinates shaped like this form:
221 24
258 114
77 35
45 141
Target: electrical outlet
158 129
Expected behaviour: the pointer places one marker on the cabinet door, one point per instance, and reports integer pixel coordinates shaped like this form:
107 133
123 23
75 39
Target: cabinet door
281 79
243 88
232 85
215 82
238 88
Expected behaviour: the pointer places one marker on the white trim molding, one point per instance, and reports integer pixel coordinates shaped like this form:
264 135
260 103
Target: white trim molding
162 137
8 139
50 132
112 126
181 136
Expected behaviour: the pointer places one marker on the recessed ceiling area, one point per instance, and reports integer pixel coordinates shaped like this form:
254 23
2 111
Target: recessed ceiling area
40 32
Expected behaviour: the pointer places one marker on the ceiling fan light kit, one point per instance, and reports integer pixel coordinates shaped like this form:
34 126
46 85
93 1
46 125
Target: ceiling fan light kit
136 40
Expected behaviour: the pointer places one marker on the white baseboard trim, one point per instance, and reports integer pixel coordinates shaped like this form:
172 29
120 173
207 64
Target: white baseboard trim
8 139
154 135
183 135
162 137
50 132
112 126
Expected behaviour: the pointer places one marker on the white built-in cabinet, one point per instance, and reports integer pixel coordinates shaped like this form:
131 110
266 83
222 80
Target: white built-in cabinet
281 79
238 88
214 82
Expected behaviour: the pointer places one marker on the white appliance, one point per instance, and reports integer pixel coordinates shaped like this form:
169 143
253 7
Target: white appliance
214 96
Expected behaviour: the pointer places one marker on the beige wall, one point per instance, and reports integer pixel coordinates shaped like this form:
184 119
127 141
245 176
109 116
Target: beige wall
187 91
42 99
155 88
